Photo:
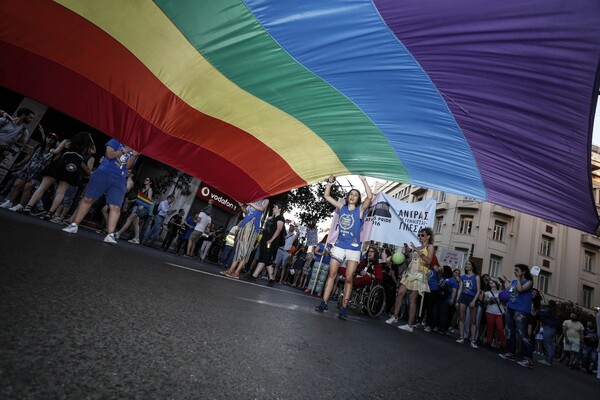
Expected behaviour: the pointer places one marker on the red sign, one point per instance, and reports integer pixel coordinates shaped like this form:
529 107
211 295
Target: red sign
219 199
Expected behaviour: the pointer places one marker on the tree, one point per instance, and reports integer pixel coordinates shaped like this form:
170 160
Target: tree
312 207
173 179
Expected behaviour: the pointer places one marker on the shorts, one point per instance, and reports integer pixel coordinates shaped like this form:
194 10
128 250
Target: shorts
69 197
102 183
573 345
282 257
345 254
266 254
195 236
465 299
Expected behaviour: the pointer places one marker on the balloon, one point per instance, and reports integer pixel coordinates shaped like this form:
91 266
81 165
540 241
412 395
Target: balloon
398 258
225 90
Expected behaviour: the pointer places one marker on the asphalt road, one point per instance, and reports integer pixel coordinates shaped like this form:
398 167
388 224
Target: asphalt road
80 319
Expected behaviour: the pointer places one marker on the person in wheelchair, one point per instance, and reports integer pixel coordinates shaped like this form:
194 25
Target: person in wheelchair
368 269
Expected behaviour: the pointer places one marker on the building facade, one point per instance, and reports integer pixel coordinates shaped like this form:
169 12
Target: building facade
497 238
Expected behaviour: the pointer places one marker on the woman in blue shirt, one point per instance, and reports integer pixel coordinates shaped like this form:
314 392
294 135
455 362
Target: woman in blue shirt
469 289
518 315
347 246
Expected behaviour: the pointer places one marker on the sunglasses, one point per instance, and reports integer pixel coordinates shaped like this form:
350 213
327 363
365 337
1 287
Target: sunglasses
422 234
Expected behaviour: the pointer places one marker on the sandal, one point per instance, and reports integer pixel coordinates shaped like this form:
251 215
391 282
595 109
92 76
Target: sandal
47 216
25 210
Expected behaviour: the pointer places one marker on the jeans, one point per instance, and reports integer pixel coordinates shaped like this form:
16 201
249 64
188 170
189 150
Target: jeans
224 259
516 328
495 324
150 237
549 333
590 356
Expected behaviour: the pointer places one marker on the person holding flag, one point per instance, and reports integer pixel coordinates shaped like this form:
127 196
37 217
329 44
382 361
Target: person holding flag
141 210
347 245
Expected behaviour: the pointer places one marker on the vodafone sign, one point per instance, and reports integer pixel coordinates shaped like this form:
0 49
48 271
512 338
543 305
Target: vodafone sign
220 200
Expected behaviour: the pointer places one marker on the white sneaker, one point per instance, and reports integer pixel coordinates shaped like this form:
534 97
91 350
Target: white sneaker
71 228
406 328
427 329
6 204
474 345
110 239
461 340
134 241
17 207
391 320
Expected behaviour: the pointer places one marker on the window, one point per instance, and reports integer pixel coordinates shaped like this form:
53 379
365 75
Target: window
499 231
441 197
546 246
466 224
588 296
438 224
544 281
495 266
463 256
588 262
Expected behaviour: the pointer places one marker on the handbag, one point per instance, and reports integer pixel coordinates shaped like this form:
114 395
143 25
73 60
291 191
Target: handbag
141 211
498 304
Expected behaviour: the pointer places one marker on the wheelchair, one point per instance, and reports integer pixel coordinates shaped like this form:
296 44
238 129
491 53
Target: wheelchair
368 300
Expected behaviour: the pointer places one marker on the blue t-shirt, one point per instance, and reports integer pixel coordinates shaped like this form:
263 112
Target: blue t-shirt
469 284
433 280
544 315
452 284
117 166
188 230
349 229
326 257
519 301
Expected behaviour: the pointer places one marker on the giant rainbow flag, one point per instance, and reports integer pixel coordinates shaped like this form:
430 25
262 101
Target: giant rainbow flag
489 99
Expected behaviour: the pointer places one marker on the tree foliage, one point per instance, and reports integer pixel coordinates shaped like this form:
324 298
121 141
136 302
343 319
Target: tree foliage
309 202
175 179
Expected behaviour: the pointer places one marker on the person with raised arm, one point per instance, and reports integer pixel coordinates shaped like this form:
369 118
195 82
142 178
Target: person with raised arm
347 246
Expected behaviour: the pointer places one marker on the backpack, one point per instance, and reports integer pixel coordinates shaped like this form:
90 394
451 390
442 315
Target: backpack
70 162
443 288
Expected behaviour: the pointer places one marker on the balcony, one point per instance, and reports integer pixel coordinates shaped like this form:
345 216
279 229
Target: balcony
504 211
468 204
590 240
442 206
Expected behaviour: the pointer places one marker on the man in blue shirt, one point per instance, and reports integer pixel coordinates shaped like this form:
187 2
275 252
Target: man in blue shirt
111 179
164 209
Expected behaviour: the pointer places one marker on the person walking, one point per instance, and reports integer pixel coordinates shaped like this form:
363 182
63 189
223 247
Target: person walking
110 178
140 210
246 236
415 279
347 246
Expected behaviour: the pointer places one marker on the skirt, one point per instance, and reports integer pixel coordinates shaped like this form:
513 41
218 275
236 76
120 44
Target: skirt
318 277
245 241
416 281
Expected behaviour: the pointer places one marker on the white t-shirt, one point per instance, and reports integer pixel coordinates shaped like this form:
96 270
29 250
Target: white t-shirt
492 306
204 220
573 330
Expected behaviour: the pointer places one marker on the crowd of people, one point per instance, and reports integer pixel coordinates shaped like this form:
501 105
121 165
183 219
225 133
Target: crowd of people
504 314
